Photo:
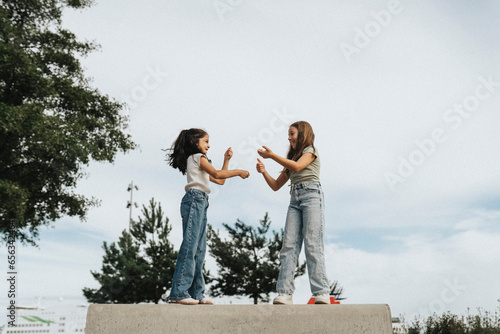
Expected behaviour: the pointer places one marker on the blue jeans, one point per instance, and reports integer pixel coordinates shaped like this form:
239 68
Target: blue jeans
305 223
188 278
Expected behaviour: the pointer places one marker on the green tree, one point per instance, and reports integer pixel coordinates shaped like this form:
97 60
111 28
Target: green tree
52 122
141 266
248 262
483 322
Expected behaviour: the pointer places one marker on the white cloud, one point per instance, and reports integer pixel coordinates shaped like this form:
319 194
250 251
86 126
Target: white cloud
229 76
416 275
471 223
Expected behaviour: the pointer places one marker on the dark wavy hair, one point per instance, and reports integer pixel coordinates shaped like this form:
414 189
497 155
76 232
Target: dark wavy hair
183 147
305 138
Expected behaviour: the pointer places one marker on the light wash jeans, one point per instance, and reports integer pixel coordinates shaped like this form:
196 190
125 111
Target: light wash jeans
188 278
305 222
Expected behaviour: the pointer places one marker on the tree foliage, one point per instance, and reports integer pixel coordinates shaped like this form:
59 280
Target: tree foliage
248 262
140 267
336 290
52 122
484 322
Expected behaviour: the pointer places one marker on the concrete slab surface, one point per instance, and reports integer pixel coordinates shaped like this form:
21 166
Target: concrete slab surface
286 319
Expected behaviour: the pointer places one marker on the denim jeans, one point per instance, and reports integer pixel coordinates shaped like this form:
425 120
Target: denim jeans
188 278
305 223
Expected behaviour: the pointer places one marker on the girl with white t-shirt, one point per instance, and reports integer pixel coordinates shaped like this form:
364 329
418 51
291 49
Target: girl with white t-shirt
188 155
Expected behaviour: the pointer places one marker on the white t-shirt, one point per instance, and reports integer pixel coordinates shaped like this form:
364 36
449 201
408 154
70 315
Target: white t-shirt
196 177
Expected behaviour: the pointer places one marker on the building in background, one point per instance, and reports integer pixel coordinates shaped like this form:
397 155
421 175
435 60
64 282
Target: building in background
398 327
56 319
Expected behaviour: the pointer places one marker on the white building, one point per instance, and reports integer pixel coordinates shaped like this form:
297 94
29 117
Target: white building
55 319
397 326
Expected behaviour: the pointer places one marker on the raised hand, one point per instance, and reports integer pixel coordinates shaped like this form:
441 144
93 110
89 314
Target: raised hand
265 153
261 168
229 154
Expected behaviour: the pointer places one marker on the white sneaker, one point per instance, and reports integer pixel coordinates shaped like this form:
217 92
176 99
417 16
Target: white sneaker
185 301
283 299
322 299
205 301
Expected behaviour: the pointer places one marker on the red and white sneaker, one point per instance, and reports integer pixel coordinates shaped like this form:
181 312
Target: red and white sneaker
322 299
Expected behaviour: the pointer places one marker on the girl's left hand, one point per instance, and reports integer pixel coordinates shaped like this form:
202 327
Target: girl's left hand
229 153
261 168
265 153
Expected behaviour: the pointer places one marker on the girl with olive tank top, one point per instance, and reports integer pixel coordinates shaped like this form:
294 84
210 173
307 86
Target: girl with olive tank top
305 221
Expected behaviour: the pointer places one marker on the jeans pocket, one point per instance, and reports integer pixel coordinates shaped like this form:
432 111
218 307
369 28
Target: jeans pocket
185 206
198 197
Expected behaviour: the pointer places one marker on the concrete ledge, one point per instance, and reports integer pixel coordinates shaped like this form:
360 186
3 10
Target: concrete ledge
287 319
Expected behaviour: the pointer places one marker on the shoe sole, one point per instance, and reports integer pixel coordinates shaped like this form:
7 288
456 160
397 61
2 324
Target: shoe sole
321 302
180 302
205 303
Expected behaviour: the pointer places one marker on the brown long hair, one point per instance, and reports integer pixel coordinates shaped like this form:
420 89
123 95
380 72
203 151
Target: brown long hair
184 146
305 138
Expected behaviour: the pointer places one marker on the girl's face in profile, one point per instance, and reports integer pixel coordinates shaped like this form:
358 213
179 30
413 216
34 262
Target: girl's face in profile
203 145
292 136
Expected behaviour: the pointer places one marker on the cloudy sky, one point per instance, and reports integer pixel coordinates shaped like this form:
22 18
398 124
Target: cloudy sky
403 96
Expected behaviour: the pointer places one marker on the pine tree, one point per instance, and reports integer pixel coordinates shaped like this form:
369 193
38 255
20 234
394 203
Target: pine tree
336 290
141 266
248 262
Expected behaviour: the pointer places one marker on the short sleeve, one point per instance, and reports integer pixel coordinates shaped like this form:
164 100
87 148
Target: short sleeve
196 158
310 149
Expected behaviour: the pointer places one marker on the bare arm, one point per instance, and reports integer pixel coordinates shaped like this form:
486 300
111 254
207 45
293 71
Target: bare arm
225 166
221 174
274 184
294 166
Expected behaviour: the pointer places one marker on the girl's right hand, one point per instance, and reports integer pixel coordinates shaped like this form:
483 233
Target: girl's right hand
229 154
244 174
260 166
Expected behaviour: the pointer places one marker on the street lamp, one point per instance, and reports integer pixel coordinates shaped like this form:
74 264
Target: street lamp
130 204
